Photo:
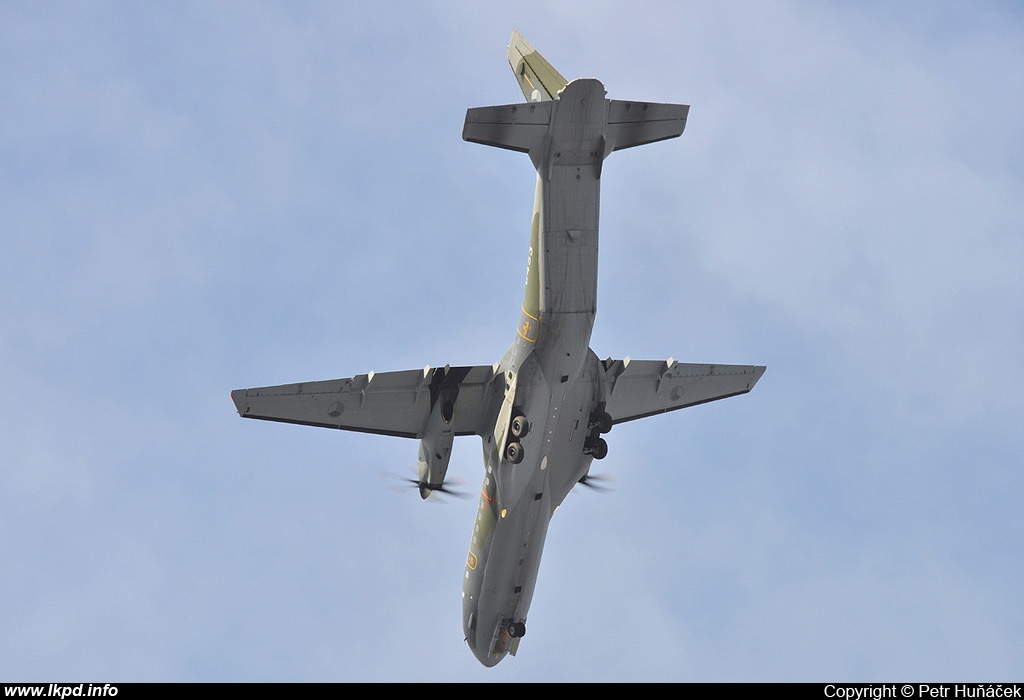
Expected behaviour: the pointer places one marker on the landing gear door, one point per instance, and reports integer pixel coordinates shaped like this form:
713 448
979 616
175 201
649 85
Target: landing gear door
505 414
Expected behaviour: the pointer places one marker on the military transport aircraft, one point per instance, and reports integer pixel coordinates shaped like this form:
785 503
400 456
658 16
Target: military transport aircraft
542 409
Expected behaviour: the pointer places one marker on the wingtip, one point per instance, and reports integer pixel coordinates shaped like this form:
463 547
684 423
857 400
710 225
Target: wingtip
238 398
758 373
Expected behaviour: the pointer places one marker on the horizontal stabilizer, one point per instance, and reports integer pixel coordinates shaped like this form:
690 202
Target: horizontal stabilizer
640 388
526 127
636 123
518 127
386 403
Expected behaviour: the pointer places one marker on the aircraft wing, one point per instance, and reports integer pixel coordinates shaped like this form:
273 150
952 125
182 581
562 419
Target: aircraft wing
386 403
640 388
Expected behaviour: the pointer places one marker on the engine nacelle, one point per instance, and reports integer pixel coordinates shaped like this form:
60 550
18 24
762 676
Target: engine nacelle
436 445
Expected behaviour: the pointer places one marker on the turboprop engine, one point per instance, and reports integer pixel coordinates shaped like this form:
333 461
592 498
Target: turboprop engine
436 446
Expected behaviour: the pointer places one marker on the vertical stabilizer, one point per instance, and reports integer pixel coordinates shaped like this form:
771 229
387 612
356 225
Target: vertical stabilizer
538 79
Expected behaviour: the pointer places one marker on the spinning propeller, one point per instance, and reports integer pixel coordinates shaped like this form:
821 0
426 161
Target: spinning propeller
594 481
410 482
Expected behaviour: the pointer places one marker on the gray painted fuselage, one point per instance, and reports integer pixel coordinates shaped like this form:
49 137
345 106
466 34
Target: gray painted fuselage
554 377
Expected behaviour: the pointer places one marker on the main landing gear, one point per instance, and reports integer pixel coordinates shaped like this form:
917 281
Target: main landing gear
519 427
514 452
594 445
517 430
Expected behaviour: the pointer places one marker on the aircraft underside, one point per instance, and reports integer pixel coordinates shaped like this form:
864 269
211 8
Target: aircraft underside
542 409
518 499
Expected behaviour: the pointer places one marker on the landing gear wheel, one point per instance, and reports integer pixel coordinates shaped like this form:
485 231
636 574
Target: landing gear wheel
520 427
517 629
603 422
598 448
514 452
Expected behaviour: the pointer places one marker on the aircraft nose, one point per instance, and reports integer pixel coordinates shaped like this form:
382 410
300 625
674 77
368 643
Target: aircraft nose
483 656
480 646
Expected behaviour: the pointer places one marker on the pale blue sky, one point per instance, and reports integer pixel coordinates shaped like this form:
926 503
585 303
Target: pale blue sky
198 197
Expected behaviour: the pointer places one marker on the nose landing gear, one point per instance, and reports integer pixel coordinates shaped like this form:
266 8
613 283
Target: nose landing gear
595 445
601 421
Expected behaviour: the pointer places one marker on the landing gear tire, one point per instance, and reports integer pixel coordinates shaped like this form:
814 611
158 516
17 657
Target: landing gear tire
517 629
598 448
514 452
520 427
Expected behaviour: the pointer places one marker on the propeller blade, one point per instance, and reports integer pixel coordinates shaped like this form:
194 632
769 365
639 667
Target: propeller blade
444 488
597 481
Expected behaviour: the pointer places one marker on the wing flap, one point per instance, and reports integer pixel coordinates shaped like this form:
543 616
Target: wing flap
385 403
640 388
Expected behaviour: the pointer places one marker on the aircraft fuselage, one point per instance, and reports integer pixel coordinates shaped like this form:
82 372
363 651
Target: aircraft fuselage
552 380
